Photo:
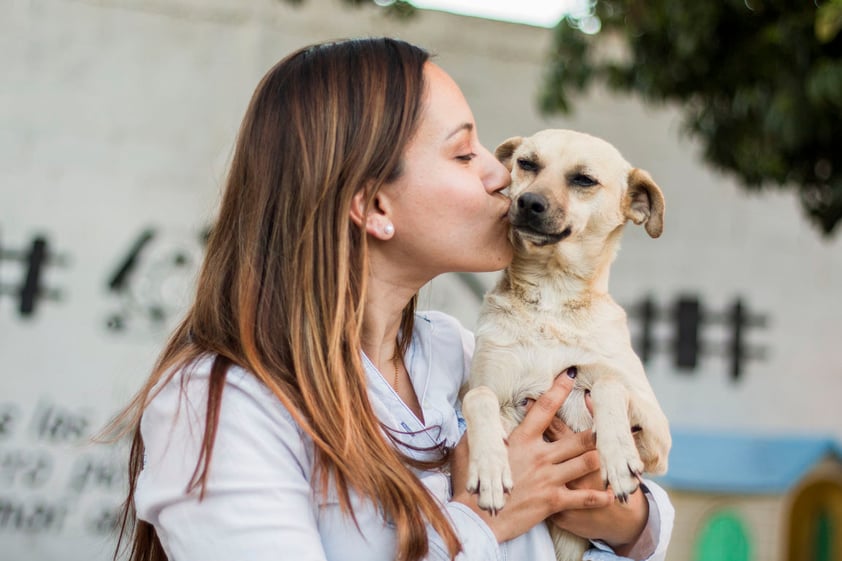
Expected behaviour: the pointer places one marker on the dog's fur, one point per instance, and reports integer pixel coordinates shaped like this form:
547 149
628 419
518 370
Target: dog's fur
571 197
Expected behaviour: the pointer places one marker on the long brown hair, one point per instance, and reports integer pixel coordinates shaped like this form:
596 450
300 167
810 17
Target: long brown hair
283 284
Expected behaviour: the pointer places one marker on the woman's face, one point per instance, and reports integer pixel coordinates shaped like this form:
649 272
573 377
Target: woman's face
446 207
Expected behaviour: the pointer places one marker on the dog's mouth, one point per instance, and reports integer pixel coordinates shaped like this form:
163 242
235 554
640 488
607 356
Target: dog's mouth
539 238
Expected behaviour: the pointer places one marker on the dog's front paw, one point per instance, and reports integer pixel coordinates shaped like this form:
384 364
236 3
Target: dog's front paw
621 468
489 475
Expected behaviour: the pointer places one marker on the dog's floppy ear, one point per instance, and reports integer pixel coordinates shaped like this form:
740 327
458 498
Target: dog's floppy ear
644 202
505 151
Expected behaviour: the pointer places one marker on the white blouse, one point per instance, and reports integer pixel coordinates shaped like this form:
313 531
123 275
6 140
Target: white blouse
260 504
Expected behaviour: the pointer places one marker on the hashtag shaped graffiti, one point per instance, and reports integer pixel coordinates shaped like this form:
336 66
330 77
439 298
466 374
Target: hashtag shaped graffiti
29 291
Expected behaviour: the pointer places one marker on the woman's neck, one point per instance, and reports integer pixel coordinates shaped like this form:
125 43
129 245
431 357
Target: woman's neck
385 302
392 283
384 307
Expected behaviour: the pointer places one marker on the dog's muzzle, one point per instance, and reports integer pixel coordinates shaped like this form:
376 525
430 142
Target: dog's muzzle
530 218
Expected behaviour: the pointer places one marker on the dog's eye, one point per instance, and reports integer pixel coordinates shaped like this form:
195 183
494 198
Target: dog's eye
527 165
582 180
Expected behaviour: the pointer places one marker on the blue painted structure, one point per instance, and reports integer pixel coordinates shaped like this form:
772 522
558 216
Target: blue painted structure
743 464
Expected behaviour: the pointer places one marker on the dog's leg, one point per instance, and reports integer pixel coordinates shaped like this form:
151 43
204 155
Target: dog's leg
568 547
488 469
621 463
653 439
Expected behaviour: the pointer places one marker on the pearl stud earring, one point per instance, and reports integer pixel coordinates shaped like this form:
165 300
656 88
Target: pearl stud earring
388 229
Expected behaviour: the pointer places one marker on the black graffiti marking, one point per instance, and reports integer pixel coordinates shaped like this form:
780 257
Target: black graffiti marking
30 290
9 414
104 521
120 279
689 317
34 517
54 424
147 281
90 473
25 468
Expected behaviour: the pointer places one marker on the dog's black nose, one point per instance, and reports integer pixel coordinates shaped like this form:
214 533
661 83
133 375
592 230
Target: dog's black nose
532 205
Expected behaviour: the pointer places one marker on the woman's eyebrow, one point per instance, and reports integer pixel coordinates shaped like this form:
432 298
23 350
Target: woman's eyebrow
463 127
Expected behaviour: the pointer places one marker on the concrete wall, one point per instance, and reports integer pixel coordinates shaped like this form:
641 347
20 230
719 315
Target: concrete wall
117 118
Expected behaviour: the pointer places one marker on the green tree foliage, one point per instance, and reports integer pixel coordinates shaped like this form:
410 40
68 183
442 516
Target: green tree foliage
759 82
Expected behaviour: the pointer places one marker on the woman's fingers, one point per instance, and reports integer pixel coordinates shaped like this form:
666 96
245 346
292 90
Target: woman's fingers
544 457
576 467
592 480
572 446
543 411
579 499
619 525
557 428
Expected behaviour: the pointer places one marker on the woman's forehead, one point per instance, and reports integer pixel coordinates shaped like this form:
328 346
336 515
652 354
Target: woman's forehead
445 107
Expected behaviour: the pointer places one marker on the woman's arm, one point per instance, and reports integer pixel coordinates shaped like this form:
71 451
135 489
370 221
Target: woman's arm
651 544
259 502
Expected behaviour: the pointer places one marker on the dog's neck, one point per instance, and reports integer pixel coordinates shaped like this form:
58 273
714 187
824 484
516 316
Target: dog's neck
572 277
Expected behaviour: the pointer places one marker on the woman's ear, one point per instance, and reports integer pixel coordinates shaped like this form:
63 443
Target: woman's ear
374 219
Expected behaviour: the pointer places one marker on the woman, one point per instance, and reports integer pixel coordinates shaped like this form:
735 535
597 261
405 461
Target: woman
303 410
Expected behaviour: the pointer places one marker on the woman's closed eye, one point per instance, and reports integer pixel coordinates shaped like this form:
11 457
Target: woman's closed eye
466 157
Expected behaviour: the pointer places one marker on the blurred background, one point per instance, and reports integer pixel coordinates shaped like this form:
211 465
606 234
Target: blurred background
117 121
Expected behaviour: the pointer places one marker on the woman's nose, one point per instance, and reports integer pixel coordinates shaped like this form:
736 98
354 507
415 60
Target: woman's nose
497 177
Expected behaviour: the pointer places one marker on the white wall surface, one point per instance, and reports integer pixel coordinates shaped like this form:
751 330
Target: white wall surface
119 116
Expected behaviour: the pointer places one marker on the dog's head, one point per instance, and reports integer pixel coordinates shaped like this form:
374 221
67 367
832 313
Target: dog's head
572 188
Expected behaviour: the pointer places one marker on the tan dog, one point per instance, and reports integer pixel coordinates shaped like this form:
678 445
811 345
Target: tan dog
571 197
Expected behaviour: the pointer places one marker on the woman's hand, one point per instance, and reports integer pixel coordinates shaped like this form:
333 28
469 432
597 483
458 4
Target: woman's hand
541 470
619 525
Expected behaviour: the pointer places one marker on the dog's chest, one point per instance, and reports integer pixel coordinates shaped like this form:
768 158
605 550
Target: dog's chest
547 330
555 337
551 331
553 325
